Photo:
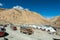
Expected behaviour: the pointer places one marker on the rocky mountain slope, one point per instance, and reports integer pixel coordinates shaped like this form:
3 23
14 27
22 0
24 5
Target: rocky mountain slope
55 21
20 16
23 16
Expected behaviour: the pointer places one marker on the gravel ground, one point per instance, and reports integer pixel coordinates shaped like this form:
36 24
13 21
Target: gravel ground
37 35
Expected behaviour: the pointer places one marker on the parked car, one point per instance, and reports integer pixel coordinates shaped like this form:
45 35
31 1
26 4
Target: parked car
55 39
2 31
14 28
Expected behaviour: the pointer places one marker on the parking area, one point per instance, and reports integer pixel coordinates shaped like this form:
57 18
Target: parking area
37 35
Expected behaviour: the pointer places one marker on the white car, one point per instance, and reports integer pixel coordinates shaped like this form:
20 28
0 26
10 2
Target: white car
39 27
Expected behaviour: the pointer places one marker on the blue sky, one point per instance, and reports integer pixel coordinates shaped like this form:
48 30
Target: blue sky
47 8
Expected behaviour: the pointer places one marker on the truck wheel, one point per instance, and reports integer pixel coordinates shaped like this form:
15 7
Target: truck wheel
24 32
5 39
29 33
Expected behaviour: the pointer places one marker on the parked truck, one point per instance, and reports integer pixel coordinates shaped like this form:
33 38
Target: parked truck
26 30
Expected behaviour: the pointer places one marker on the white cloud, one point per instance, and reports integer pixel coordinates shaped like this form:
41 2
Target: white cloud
20 7
1 4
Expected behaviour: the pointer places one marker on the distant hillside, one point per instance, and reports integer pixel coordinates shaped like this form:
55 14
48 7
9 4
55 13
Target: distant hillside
55 21
20 16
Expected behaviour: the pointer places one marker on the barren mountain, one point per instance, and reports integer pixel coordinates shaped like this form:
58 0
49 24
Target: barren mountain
20 16
56 21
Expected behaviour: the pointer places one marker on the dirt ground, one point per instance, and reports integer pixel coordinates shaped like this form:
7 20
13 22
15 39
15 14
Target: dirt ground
37 35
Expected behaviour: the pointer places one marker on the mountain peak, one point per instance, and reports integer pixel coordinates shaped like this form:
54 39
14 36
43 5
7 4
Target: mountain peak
18 16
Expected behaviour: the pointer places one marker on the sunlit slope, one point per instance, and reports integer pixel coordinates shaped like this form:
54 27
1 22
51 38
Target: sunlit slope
20 16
